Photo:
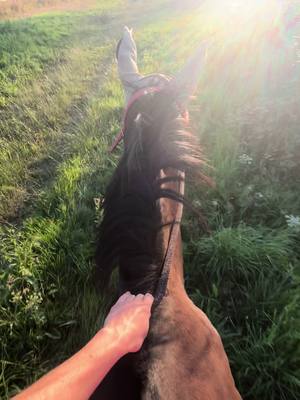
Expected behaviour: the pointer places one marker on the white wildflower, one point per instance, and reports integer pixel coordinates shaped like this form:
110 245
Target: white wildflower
293 221
244 159
16 297
33 301
197 203
258 195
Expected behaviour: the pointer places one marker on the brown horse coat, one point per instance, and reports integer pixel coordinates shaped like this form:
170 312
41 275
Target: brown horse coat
193 365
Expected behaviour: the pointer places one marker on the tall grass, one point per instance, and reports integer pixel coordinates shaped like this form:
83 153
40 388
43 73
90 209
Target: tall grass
32 130
46 265
26 47
55 166
246 279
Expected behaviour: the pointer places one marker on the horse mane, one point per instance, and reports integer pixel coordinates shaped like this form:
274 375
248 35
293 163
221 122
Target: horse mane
156 137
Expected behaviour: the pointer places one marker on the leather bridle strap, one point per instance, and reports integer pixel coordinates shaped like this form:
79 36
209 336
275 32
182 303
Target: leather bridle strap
162 283
136 96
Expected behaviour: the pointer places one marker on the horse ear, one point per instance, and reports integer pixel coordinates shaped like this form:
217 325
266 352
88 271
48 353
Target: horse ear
127 63
185 82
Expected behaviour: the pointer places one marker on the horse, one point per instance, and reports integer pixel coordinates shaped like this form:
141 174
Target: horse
182 356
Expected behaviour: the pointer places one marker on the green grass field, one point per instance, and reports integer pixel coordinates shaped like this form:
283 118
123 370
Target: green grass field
60 106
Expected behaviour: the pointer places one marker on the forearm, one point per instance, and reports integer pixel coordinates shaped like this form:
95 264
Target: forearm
125 329
79 376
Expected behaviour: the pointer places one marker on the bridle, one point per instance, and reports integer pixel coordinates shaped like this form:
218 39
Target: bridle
134 98
161 287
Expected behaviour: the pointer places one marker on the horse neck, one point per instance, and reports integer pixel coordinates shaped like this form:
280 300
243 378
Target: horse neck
171 210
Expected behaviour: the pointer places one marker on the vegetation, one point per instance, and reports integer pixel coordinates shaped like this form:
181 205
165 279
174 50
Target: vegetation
61 106
26 47
21 8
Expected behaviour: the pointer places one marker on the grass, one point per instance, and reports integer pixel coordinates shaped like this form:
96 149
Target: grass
27 46
19 8
246 276
57 121
31 130
48 260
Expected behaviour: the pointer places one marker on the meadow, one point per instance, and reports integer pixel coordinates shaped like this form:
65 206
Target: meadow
61 105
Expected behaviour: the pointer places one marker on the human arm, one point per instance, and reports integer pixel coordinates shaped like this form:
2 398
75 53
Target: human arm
124 331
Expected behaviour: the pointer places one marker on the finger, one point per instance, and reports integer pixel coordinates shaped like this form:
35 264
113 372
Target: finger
128 298
148 298
124 296
131 297
139 297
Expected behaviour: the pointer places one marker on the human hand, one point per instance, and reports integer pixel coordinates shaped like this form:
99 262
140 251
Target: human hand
128 320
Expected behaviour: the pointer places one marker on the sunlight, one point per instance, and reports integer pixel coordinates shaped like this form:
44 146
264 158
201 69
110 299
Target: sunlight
253 44
242 17
242 8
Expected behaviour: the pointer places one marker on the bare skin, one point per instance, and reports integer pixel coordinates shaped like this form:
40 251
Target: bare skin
124 331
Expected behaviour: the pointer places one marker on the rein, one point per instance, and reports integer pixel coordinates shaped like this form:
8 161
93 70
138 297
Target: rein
161 287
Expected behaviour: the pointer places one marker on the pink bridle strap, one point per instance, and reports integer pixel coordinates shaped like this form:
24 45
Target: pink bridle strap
136 96
139 93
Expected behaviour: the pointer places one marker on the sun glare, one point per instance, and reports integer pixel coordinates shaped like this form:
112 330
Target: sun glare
242 16
253 42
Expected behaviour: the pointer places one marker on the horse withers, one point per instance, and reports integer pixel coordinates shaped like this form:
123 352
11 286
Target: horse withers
182 357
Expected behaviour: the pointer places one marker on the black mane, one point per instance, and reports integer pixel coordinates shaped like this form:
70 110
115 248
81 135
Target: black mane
156 137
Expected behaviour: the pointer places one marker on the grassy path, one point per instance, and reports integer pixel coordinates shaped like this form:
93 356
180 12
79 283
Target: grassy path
45 119
55 132
56 167
30 129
